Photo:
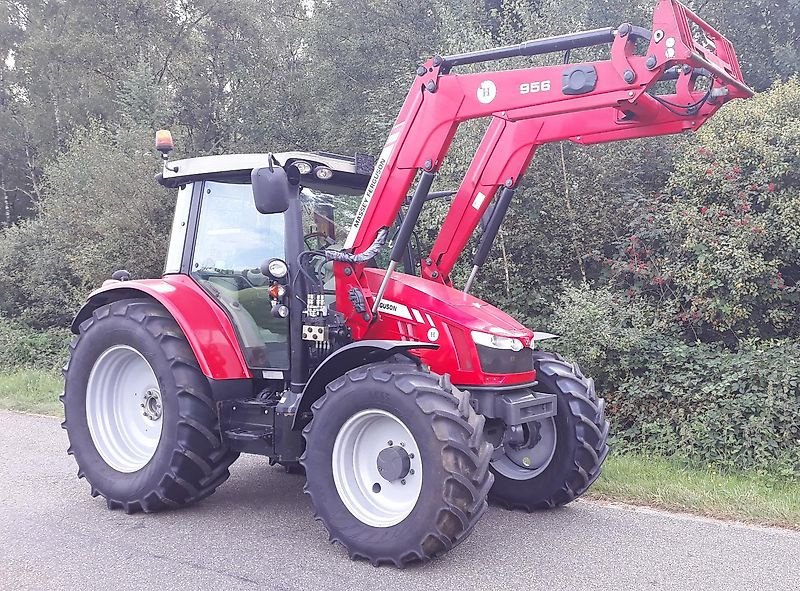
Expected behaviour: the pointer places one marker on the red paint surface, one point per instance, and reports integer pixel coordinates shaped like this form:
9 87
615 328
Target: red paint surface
454 315
208 330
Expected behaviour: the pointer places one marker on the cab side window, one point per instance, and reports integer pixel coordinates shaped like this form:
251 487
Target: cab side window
232 241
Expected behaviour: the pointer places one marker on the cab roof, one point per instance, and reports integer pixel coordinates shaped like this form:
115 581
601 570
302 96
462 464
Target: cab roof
350 174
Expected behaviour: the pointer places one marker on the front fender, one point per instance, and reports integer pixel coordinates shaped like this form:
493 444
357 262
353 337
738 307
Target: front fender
347 358
205 325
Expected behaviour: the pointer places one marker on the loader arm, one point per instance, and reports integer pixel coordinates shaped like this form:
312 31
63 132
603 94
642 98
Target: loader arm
588 102
508 147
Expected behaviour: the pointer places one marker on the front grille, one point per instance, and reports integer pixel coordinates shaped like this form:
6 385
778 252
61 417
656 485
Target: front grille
505 361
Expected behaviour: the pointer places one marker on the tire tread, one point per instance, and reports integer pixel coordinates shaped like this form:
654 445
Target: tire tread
195 470
591 434
465 456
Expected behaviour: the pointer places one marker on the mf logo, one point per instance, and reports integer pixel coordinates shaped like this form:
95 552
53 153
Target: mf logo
487 92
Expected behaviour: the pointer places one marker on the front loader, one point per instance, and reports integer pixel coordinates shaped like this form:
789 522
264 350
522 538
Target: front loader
352 356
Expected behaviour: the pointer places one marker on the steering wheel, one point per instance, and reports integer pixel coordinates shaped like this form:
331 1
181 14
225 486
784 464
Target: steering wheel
323 241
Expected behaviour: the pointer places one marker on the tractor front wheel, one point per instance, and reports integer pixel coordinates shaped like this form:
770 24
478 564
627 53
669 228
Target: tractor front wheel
555 460
138 411
396 462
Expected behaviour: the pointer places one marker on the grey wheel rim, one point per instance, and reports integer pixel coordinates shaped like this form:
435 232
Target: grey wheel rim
367 495
524 463
124 409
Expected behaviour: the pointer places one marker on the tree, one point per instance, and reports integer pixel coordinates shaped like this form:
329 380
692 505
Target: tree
101 211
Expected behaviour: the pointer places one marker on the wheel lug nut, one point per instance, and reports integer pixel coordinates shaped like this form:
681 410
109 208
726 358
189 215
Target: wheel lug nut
411 456
390 443
402 444
403 481
411 471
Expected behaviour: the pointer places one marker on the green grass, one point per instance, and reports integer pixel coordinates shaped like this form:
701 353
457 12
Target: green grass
31 390
666 484
653 482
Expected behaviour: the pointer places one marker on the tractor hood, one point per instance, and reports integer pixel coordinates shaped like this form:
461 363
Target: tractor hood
422 301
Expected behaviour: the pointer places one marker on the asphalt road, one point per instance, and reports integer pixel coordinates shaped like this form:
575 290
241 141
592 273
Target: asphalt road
256 532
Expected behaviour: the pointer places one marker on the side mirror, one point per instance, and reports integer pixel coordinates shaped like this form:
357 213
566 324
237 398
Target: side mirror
273 188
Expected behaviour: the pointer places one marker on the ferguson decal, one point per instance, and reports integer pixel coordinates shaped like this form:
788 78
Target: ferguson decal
394 309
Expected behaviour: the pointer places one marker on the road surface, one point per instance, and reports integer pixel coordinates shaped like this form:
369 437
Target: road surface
256 532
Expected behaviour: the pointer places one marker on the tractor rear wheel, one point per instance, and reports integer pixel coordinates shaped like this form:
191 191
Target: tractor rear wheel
138 411
397 466
560 457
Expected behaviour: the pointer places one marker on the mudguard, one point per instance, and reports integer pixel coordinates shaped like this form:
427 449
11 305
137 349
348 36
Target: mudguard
205 325
347 358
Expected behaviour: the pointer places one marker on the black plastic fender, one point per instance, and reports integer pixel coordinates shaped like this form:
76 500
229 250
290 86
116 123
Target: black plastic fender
347 358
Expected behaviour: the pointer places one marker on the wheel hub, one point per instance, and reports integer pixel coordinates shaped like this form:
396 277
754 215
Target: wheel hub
151 406
379 482
394 463
526 450
124 410
525 436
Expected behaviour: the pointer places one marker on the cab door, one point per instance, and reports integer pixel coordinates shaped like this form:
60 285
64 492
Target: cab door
231 241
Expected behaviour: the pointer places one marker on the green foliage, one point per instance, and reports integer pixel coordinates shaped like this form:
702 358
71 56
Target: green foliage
735 411
764 33
606 330
31 390
101 212
26 347
702 403
719 251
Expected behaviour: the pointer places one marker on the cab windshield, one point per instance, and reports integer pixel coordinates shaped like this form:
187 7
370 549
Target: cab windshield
232 241
327 219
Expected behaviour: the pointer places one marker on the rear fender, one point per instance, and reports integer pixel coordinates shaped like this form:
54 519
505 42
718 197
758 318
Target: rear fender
347 358
205 325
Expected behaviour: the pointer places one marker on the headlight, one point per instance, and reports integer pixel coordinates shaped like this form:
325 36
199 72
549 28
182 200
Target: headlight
302 166
502 355
275 268
496 342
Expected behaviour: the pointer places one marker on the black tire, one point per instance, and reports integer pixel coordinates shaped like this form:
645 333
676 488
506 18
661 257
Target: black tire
581 441
190 460
292 467
455 462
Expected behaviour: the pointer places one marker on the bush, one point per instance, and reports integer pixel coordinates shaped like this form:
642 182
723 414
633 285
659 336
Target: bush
101 211
703 403
735 411
24 347
605 330
719 251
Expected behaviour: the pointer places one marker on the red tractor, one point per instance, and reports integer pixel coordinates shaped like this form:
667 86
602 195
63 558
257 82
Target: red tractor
407 401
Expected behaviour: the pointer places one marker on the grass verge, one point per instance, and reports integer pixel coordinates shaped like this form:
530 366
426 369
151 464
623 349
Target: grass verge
638 480
31 390
666 484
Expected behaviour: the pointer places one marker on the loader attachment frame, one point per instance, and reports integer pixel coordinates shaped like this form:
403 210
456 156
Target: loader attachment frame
589 102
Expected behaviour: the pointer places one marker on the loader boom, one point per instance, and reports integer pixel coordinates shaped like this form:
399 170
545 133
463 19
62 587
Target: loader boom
590 102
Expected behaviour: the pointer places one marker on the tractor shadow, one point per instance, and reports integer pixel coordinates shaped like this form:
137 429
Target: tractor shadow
267 502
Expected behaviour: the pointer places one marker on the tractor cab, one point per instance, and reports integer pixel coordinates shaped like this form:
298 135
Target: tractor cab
238 244
239 255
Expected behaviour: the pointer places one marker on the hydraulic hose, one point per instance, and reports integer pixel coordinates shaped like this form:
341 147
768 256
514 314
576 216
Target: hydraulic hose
363 257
